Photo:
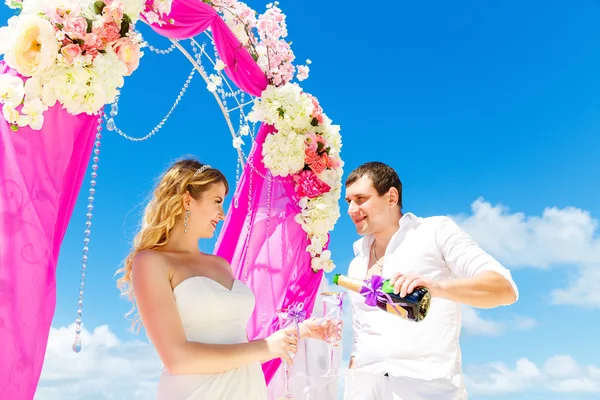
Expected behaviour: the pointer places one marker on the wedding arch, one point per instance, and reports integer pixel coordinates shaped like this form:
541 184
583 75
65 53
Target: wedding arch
65 62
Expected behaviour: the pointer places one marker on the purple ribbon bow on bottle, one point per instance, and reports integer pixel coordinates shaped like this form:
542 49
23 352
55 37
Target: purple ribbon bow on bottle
372 293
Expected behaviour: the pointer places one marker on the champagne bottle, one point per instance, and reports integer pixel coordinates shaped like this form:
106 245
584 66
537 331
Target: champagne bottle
380 293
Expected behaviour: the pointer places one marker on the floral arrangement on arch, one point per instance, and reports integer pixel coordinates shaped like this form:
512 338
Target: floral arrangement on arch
74 52
306 145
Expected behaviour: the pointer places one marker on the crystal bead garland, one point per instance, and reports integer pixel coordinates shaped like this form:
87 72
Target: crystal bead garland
86 240
112 126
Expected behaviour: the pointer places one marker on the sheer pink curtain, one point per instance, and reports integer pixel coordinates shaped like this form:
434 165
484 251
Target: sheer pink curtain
266 247
40 176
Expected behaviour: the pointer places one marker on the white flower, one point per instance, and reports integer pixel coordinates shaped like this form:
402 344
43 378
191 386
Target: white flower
14 4
317 242
35 89
238 29
285 107
332 177
323 262
283 153
303 71
12 116
331 134
220 65
244 130
34 46
35 7
133 8
237 142
12 90
34 109
7 34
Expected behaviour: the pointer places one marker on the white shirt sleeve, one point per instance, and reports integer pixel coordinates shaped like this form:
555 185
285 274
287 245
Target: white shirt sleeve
462 254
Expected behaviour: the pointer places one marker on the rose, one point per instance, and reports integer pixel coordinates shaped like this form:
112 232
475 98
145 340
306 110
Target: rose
34 46
311 156
113 11
71 51
108 31
129 54
92 44
75 27
318 166
309 185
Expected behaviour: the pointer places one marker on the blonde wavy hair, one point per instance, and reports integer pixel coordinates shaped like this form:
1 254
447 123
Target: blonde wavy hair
161 214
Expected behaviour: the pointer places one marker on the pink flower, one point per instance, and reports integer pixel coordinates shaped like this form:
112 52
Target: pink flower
70 52
92 52
317 110
75 27
108 32
309 185
92 44
128 52
318 166
330 162
113 11
311 141
311 156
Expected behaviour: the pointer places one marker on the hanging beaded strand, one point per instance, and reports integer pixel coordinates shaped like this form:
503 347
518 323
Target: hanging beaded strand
86 240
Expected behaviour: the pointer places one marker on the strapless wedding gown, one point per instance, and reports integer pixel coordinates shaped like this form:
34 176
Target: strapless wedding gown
211 313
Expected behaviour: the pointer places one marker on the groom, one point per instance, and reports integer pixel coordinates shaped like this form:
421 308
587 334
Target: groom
402 360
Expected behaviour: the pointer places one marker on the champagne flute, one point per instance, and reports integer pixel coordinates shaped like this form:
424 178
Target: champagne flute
285 321
332 311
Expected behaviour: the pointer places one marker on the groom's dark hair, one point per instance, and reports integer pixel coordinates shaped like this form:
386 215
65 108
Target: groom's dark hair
382 175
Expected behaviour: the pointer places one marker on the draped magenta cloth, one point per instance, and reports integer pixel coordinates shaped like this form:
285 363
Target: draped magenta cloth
267 250
40 176
192 17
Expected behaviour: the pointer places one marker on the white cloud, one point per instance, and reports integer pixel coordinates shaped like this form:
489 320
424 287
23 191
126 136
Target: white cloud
106 368
474 324
560 373
567 236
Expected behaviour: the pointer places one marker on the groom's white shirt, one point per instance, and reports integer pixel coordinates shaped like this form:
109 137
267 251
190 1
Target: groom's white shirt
425 356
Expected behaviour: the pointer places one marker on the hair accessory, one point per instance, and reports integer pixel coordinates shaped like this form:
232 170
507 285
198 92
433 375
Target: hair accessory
201 170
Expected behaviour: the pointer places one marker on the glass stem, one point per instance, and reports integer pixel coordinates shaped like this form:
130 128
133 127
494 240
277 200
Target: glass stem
286 371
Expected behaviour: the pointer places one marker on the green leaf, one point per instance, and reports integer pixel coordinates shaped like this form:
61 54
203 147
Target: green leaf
314 122
281 112
90 24
320 147
79 41
124 28
126 18
60 26
99 7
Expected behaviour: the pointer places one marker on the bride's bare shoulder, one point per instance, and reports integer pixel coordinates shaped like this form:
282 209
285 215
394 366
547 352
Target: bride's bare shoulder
150 262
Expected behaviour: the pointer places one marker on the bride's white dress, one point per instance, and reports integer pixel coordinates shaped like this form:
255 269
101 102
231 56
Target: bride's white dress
211 313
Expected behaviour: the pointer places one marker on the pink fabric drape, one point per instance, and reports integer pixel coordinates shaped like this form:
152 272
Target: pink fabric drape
40 176
267 248
268 252
192 17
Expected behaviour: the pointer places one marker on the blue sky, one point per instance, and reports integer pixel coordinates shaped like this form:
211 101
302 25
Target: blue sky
490 113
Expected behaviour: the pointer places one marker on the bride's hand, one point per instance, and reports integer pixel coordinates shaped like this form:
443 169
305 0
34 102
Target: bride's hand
321 329
283 344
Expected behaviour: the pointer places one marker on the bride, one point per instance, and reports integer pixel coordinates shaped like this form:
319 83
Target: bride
193 309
